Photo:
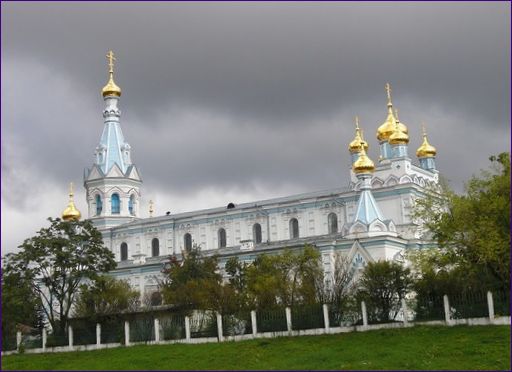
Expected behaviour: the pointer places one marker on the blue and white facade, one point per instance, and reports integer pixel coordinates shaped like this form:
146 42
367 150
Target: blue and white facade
369 220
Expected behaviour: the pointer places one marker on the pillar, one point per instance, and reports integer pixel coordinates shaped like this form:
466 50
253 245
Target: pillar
288 312
254 323
365 314
326 317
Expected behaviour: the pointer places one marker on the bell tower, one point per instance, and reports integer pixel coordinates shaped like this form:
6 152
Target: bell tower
113 182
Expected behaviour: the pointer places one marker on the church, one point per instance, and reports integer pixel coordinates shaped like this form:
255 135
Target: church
368 221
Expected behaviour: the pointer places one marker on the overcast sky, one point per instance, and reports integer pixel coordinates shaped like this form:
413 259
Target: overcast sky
234 102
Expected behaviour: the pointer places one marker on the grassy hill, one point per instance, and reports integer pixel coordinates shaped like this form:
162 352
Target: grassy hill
426 348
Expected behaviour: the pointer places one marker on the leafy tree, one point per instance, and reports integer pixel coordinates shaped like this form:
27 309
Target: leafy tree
285 278
56 260
192 282
105 296
21 304
383 285
473 230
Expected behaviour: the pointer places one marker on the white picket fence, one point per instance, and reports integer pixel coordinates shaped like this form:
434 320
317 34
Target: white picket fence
491 319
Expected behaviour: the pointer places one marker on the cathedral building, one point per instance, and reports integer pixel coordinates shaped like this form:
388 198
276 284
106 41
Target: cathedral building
368 221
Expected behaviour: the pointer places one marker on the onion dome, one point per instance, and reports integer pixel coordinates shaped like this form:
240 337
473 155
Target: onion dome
355 146
399 137
363 164
71 213
111 89
388 127
426 150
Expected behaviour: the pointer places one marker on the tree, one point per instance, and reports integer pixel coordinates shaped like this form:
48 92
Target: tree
472 230
286 278
105 296
21 304
56 260
193 282
383 285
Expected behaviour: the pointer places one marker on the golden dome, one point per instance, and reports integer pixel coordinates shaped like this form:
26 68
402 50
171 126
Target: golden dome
363 164
426 150
71 213
388 127
399 136
355 146
111 89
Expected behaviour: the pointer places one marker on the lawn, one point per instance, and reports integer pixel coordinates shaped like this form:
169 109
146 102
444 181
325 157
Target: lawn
421 347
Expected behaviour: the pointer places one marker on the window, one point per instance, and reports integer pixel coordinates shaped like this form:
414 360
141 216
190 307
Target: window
187 240
256 233
116 204
99 205
155 247
131 203
332 221
222 237
124 251
294 228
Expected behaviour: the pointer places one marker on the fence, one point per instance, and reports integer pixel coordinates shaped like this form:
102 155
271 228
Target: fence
208 326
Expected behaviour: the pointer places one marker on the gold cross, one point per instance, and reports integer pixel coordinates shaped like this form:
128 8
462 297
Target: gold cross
111 59
357 122
423 129
388 91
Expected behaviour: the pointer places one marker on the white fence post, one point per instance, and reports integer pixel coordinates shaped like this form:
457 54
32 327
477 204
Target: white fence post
219 328
404 310
45 337
70 337
288 312
98 334
187 328
18 340
157 330
490 305
446 303
365 314
326 317
254 323
126 332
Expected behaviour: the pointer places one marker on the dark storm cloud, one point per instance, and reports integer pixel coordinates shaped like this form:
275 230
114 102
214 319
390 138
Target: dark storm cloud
248 95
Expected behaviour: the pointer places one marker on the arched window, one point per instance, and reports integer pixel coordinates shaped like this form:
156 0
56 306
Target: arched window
187 242
294 228
222 237
332 221
99 205
256 233
124 251
131 207
116 204
155 247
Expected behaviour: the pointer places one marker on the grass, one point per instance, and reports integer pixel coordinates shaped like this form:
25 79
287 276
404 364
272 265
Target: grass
420 347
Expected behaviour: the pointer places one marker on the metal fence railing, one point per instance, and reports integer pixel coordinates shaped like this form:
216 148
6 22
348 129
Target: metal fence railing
142 329
308 316
344 314
271 320
203 324
237 324
427 308
172 327
501 303
176 325
84 332
468 305
112 330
